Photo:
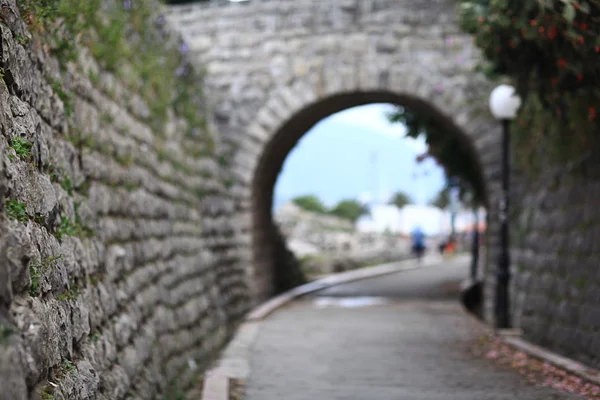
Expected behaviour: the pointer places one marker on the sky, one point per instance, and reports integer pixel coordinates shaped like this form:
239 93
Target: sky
358 154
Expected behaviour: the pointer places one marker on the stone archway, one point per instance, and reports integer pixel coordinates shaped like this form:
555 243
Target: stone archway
294 55
291 111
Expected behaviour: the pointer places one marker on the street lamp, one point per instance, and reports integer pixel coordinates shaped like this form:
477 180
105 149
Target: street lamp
453 193
504 104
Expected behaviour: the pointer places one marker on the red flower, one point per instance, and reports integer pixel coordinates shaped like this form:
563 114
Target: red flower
552 32
592 113
597 48
580 76
541 29
481 19
533 22
584 26
562 63
581 40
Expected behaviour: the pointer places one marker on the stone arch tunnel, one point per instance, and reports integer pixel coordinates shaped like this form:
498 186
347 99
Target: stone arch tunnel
276 147
299 62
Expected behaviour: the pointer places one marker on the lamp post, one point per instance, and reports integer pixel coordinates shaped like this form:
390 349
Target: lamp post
453 194
504 104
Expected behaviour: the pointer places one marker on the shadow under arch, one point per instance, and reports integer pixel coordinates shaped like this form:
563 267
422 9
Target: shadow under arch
270 274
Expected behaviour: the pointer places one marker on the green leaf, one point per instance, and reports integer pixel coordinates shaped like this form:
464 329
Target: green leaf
569 12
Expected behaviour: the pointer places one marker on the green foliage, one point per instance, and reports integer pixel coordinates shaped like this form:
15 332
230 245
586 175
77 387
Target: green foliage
35 269
550 50
400 199
66 228
351 210
442 199
125 38
46 392
70 228
5 333
73 228
16 210
70 294
2 74
60 22
310 203
21 147
451 151
34 272
23 40
68 365
67 185
66 99
348 209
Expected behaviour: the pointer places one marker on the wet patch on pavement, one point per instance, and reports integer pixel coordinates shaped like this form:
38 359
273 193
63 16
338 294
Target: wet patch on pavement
349 302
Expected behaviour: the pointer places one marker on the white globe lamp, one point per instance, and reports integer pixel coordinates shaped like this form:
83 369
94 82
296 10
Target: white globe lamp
504 102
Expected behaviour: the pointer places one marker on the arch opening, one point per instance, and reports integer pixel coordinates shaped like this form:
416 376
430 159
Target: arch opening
274 267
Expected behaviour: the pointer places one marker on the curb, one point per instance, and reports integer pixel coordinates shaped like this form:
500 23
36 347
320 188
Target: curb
267 308
574 367
234 362
514 338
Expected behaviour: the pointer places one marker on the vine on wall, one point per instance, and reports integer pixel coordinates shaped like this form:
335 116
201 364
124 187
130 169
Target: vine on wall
128 39
447 149
550 49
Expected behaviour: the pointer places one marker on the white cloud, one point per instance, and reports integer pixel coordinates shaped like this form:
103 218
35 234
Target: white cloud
373 118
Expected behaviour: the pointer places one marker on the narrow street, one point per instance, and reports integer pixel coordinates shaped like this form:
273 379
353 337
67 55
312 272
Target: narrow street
401 336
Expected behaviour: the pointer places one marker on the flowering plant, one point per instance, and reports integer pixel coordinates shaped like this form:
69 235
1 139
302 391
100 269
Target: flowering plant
551 51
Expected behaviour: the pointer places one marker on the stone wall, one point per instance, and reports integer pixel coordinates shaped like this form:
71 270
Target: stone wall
556 295
125 243
120 272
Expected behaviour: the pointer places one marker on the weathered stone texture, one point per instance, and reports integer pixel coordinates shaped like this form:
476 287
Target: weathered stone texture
155 280
277 67
175 250
555 260
297 62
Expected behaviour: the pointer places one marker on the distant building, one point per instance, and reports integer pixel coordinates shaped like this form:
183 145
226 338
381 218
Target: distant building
432 220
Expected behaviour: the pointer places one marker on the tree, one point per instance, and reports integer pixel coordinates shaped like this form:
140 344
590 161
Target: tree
310 203
446 147
349 209
442 199
400 199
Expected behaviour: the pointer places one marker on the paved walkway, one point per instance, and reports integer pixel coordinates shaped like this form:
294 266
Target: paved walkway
409 342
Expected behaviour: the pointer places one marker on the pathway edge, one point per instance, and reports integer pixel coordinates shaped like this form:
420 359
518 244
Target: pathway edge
514 338
234 362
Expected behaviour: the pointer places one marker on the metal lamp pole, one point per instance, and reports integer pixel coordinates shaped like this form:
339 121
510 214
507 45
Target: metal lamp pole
453 189
503 272
504 104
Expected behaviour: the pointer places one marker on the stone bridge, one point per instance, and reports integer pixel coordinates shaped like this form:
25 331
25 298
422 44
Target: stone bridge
130 251
276 68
